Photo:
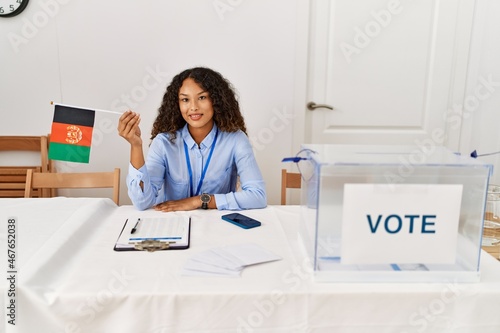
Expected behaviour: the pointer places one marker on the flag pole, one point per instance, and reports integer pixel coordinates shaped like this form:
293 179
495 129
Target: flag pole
79 107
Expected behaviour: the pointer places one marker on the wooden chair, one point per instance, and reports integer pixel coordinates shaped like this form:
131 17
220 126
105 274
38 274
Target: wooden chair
13 181
40 180
288 180
13 178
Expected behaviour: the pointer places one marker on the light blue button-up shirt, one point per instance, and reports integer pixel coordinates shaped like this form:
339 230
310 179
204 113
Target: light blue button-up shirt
165 174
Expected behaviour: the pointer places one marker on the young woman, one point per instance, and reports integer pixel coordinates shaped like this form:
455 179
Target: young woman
199 148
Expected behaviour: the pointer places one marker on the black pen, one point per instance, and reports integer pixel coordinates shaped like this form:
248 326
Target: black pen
134 229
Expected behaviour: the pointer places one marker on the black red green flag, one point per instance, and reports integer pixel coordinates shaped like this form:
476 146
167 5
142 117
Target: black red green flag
71 135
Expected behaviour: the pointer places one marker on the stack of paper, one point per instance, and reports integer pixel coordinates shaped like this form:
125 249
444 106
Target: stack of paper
227 261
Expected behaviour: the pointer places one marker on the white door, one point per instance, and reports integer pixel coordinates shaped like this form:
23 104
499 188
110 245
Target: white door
393 71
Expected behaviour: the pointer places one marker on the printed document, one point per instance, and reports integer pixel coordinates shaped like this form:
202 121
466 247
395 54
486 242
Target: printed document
172 229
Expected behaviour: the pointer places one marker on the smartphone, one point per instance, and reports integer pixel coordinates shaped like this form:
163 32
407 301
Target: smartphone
241 220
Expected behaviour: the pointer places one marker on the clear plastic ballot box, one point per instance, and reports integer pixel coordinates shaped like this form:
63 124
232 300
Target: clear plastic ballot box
373 213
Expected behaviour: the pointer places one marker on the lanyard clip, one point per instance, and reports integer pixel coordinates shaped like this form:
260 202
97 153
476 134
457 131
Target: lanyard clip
294 159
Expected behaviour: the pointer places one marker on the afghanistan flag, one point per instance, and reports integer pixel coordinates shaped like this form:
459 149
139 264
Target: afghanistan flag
71 134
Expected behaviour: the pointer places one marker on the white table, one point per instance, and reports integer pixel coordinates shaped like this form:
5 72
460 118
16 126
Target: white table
71 280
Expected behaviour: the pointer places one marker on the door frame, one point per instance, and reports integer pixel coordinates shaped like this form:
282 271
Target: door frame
301 123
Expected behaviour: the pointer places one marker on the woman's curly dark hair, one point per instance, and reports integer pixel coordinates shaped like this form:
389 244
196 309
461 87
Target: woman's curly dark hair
227 114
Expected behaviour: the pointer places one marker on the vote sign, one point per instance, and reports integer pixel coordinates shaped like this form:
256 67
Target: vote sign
400 223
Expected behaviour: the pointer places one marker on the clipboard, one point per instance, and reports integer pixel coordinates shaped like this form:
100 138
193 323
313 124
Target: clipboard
154 234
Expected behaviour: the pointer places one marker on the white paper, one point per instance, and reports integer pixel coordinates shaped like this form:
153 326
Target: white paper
227 261
400 223
173 229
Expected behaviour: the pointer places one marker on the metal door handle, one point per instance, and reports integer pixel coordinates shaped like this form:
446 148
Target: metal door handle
311 106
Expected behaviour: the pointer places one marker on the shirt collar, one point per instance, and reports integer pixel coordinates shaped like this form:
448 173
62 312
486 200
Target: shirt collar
206 143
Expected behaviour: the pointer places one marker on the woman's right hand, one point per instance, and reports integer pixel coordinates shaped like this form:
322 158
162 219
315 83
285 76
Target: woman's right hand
128 128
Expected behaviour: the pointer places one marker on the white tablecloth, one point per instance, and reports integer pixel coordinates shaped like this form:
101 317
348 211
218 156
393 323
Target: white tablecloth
71 280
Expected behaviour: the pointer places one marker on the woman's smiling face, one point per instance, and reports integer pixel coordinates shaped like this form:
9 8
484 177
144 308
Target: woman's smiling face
196 106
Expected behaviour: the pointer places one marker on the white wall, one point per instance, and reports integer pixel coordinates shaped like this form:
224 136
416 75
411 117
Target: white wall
121 54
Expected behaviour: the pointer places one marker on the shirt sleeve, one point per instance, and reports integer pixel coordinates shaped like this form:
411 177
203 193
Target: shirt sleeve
151 177
253 190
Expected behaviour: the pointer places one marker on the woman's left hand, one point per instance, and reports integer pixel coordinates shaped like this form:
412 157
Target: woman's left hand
183 204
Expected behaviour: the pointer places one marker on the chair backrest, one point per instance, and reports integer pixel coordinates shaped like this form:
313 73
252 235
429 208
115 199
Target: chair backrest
13 177
13 182
40 180
288 180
